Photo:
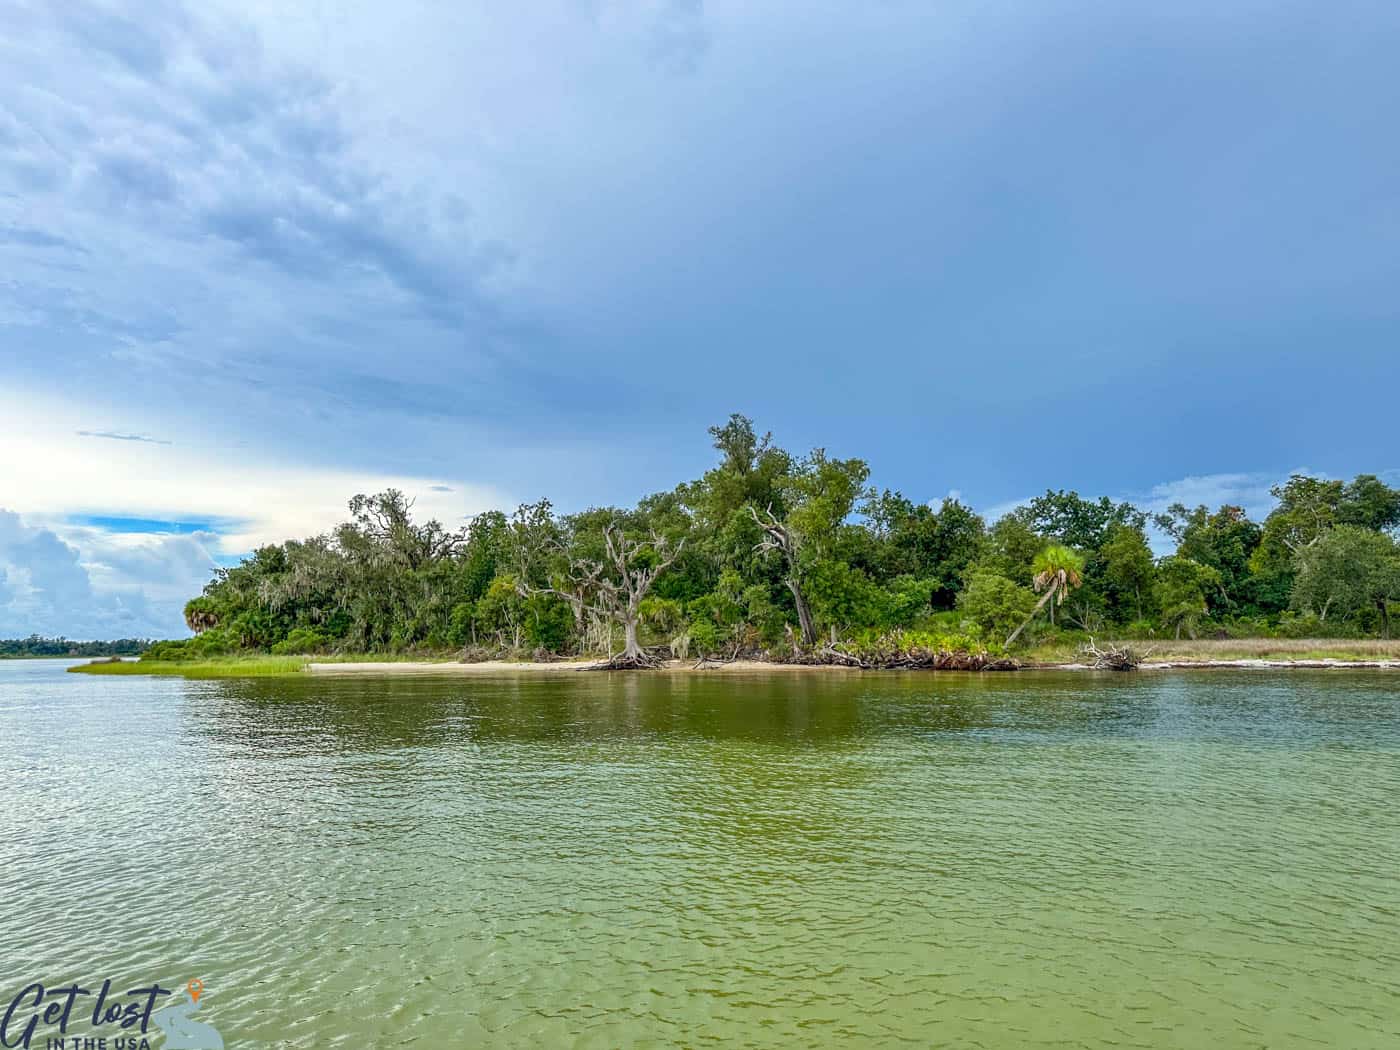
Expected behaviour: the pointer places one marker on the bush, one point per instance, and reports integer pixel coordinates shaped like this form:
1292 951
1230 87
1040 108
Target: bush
704 636
548 623
301 640
172 651
995 604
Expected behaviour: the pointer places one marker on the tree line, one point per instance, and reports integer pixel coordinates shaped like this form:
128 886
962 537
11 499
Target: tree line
775 553
36 645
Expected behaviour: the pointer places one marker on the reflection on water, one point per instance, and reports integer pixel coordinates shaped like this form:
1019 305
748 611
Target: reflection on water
807 859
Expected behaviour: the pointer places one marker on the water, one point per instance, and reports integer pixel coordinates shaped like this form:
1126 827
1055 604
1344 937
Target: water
1159 860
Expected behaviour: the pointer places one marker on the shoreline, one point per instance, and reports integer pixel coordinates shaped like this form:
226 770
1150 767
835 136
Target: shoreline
490 667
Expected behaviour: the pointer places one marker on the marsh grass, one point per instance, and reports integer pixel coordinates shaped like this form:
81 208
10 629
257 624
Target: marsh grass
232 667
1204 649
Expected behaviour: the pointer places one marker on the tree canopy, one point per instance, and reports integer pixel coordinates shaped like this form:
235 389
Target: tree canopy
771 550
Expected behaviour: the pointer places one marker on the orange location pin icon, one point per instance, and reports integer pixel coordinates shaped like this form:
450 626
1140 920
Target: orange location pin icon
196 986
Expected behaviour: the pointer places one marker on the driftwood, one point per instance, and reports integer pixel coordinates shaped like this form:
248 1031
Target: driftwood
710 661
1114 657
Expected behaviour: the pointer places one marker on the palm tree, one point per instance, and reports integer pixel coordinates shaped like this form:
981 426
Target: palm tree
1058 570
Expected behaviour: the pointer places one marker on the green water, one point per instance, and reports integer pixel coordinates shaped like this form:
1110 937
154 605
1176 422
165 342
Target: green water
1159 860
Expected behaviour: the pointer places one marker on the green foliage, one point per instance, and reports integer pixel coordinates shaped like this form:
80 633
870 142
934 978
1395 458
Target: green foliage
548 622
1075 522
1348 571
915 540
996 604
766 547
301 641
705 637
36 646
1129 570
1011 547
1226 541
1182 589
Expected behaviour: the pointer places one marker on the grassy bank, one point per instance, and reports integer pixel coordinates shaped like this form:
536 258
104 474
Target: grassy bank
229 667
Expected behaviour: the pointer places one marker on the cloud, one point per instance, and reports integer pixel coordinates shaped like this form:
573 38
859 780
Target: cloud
541 247
111 436
35 238
53 586
1250 490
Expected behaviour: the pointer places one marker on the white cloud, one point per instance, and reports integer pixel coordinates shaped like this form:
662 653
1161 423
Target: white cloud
86 580
52 473
46 588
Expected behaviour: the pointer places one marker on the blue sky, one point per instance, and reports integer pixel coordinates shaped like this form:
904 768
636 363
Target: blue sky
257 257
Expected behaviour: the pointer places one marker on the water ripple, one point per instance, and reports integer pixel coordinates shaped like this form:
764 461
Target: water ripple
1058 861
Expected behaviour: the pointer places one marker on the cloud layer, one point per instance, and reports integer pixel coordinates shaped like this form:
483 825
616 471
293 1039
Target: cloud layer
253 251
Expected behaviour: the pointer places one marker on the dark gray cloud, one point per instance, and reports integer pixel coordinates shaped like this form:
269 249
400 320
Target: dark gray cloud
113 436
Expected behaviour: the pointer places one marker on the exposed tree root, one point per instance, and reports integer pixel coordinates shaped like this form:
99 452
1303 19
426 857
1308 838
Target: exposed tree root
640 661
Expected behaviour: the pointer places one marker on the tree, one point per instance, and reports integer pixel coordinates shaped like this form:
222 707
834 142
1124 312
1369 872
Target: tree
1350 569
1369 503
913 539
1080 523
1308 509
820 495
384 524
1011 546
995 603
1127 563
1182 587
614 586
1058 570
1225 541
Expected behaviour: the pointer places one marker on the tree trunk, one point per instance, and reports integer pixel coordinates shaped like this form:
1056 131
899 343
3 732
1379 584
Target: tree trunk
1017 632
804 614
631 650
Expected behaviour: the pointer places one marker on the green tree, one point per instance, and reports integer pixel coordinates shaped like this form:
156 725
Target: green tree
1080 523
1182 589
1058 570
821 494
1369 503
995 603
913 539
1348 570
1226 541
1128 566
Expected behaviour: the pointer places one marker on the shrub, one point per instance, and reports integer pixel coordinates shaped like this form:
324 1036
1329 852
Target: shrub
704 636
995 604
301 640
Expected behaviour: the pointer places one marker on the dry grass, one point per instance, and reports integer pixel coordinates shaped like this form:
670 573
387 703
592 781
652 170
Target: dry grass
1204 649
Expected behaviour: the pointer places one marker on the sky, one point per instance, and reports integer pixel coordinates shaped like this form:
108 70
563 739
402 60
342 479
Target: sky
257 257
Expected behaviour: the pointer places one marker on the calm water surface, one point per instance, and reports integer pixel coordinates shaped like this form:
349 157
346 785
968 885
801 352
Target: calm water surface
1184 860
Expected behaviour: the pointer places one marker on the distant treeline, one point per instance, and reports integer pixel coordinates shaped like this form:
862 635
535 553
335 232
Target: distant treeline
35 645
775 552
